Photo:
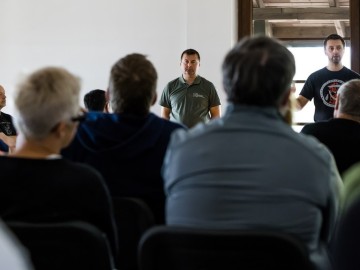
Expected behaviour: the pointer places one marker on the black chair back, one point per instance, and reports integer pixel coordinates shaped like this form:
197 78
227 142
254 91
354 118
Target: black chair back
67 245
182 248
346 242
133 217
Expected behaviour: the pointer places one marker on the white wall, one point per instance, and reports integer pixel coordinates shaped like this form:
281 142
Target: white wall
88 36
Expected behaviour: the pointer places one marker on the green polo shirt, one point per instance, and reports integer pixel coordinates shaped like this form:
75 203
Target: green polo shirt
189 104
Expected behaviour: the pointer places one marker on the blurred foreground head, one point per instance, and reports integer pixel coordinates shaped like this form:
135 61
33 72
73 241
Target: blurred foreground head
258 71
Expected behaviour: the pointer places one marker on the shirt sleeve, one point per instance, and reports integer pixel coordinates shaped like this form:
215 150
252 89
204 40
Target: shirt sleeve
308 89
214 97
165 97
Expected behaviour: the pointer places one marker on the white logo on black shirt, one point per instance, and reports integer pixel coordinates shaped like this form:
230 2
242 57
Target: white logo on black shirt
328 92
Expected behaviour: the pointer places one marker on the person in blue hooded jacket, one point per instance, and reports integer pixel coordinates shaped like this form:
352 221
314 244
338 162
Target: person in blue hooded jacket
128 145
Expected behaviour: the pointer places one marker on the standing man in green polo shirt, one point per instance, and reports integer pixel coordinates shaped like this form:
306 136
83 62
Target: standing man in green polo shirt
190 99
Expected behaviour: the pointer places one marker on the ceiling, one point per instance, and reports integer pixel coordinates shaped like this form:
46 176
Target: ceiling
301 22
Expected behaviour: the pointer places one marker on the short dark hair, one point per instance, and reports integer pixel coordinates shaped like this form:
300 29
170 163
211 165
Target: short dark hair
132 85
190 52
95 100
258 71
334 37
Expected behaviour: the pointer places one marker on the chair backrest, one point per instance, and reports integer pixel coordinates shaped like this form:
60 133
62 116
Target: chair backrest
133 217
180 248
346 242
67 245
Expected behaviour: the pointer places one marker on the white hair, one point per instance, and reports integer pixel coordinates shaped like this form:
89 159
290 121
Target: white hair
43 99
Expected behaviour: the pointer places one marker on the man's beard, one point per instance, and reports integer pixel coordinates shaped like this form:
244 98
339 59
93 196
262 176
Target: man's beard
336 59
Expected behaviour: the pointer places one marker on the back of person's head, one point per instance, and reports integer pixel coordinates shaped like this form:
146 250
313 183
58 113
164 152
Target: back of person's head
132 85
190 52
333 37
258 71
95 100
43 99
349 97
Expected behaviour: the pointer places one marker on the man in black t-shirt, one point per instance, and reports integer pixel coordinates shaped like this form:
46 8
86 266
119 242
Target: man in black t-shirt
322 85
7 129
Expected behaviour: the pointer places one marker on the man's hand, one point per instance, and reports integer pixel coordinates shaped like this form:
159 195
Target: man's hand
10 141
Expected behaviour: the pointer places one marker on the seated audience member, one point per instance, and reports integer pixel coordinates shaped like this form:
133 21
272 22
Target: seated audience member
13 255
37 184
95 100
341 134
346 244
7 129
242 171
128 145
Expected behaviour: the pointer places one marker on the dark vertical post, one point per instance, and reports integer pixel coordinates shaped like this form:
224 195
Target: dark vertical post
355 34
245 18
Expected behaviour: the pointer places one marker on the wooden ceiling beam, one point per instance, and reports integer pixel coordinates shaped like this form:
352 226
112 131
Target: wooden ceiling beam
260 3
333 3
303 32
268 29
340 28
339 25
335 13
